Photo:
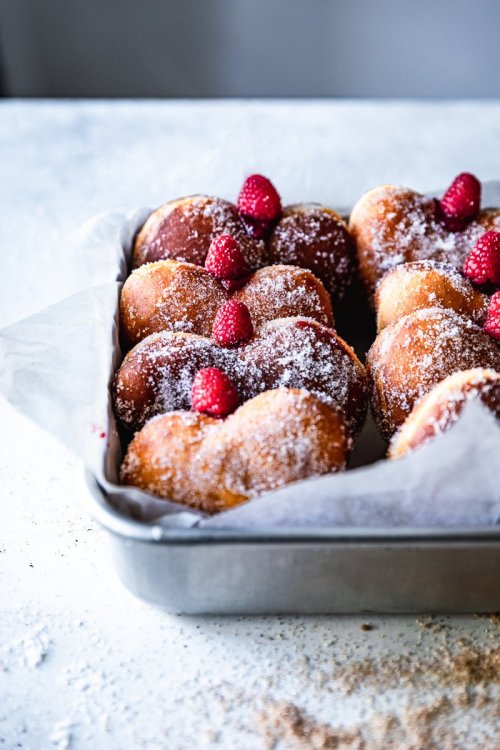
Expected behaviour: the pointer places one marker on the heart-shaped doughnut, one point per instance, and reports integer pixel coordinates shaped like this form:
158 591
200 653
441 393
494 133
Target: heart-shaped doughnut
308 235
278 437
393 225
174 296
442 406
157 374
427 283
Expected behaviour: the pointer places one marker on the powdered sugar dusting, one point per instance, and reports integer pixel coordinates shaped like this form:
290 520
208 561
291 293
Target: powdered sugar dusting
29 651
394 225
315 237
285 291
422 284
176 296
410 356
183 230
278 437
156 375
440 408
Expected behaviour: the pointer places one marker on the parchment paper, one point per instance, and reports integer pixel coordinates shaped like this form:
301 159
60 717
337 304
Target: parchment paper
57 366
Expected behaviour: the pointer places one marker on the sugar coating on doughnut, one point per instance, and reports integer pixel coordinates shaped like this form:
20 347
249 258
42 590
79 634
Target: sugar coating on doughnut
183 230
393 225
282 291
441 407
426 283
280 436
410 356
176 296
316 237
169 295
157 374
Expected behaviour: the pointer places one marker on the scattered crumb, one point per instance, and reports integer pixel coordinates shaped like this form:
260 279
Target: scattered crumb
286 722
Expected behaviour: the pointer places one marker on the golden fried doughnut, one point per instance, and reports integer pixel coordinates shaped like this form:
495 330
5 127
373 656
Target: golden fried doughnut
392 225
427 283
157 374
315 237
442 406
278 437
183 230
175 296
413 354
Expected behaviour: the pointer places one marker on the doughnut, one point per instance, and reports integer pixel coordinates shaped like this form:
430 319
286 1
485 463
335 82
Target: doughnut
392 225
413 354
426 283
157 374
278 437
175 296
315 237
183 230
442 406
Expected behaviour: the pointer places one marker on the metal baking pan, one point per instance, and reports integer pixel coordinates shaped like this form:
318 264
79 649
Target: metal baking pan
324 571
313 571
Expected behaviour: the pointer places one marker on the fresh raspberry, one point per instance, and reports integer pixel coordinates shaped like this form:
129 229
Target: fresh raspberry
483 262
460 204
492 322
259 201
233 324
213 393
224 258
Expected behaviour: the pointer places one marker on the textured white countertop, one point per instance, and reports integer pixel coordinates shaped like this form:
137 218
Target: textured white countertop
82 663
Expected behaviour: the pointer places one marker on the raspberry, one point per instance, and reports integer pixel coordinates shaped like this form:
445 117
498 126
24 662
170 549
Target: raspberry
460 204
259 201
483 262
492 322
233 324
224 258
451 224
213 393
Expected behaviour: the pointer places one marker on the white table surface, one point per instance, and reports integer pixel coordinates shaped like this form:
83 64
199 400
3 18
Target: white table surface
82 663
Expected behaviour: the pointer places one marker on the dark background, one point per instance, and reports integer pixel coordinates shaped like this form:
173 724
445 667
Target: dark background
227 48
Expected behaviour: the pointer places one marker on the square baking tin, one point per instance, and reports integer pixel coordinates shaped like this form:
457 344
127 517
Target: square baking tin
323 571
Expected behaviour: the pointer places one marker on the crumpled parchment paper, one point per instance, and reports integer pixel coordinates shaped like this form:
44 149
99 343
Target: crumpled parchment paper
57 365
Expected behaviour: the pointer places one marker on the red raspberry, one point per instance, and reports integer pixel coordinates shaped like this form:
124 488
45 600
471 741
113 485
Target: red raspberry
483 262
259 201
233 324
460 204
492 322
213 393
224 258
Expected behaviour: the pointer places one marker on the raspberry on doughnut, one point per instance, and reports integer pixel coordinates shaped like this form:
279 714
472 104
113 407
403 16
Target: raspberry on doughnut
156 376
172 296
392 225
184 229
